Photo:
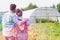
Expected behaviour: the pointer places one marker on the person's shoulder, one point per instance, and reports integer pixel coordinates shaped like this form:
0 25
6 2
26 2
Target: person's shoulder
26 19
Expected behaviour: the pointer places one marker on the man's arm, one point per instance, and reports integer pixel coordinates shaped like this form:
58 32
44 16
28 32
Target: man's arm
27 24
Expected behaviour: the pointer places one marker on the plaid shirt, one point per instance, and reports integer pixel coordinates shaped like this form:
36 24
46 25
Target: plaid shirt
7 23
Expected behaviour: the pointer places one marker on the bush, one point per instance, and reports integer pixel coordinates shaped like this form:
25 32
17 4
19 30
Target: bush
44 21
37 20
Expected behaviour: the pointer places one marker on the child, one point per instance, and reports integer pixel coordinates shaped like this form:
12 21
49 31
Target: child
21 27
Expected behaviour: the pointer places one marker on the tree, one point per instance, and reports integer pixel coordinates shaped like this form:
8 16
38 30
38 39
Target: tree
30 6
58 7
53 6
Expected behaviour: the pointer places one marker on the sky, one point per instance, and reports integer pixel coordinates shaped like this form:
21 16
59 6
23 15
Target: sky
4 4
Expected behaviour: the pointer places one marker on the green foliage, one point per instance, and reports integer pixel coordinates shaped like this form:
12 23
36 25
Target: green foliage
42 20
58 7
51 29
53 6
30 6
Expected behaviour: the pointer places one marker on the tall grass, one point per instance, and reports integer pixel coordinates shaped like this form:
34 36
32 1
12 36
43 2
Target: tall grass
52 30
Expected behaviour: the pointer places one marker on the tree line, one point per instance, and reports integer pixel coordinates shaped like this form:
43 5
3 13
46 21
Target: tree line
31 6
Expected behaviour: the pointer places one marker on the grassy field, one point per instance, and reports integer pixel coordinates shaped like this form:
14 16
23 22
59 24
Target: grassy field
47 31
43 31
0 27
1 37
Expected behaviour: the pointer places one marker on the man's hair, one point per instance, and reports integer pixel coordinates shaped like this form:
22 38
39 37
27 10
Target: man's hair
12 7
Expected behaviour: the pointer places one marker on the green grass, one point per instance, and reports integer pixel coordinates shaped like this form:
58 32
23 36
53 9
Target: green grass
52 30
0 27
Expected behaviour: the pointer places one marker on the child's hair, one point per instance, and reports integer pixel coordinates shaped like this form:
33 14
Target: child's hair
19 12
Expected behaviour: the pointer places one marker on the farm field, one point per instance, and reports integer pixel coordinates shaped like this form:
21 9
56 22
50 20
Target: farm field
43 31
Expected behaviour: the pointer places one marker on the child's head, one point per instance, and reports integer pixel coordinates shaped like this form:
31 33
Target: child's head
19 12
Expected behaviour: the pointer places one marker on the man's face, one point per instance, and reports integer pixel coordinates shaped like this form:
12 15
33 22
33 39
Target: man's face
14 10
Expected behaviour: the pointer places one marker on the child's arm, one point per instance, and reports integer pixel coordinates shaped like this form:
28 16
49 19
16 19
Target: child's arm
21 24
26 22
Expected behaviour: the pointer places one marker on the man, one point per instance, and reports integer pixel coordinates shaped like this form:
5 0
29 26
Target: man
8 23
